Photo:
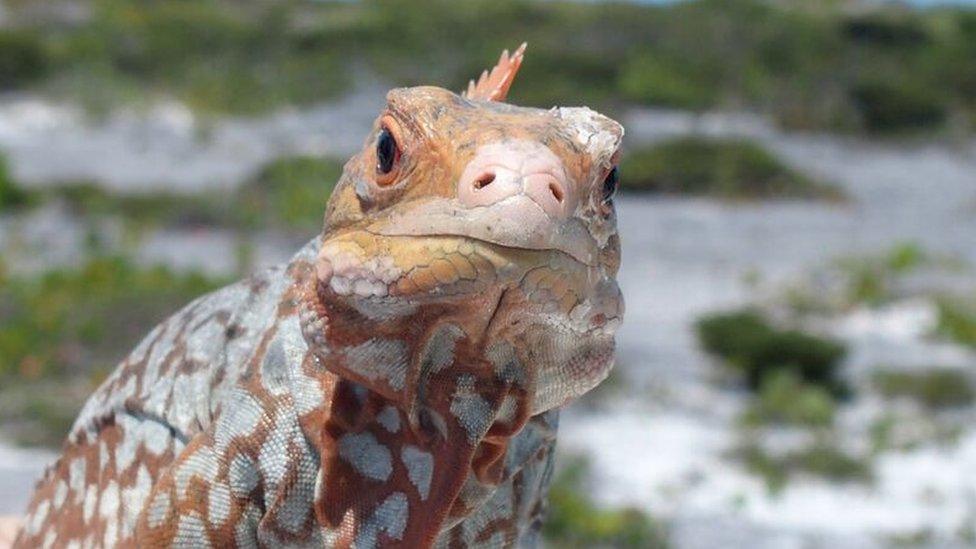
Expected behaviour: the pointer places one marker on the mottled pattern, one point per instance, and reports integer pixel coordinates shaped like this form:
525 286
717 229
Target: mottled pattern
396 383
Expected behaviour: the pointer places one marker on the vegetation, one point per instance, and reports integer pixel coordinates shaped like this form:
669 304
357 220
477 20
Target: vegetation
898 431
11 195
934 388
871 280
745 340
882 70
785 399
73 322
725 168
821 459
574 520
289 192
957 321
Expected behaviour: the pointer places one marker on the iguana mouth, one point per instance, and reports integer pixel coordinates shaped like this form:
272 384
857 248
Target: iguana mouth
515 223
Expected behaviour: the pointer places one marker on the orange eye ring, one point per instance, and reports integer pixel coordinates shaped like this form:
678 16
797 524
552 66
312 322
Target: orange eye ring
388 152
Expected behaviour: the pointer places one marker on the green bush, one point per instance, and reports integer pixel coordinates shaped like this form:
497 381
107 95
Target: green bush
936 388
724 168
822 458
802 65
784 398
652 80
894 107
289 192
574 520
22 59
11 195
747 342
957 321
142 210
81 321
872 279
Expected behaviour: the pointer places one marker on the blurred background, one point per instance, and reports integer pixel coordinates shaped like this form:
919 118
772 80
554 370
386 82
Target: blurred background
798 217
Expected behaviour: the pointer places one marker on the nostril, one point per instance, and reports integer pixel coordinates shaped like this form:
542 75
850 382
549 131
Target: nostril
557 192
484 180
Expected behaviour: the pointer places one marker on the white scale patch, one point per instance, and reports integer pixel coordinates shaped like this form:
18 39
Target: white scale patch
380 359
191 532
471 409
274 457
420 468
390 516
133 498
591 131
352 274
60 493
37 518
366 455
389 418
76 478
244 476
439 350
218 504
202 463
241 415
293 512
158 510
88 508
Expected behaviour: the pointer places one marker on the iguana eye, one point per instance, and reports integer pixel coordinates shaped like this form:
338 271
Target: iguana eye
387 152
610 184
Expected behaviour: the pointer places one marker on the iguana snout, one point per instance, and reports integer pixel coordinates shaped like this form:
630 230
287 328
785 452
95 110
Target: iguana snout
525 173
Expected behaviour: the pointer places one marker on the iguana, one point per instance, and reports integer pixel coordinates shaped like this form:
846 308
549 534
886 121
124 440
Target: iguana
397 382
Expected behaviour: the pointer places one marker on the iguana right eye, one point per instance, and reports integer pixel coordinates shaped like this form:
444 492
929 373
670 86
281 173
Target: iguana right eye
386 152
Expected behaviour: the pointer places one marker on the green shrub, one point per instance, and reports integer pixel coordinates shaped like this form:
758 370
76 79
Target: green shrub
574 520
784 398
957 321
81 321
885 29
725 168
893 107
143 210
40 413
830 462
747 342
871 279
936 388
652 80
22 58
11 195
821 458
289 192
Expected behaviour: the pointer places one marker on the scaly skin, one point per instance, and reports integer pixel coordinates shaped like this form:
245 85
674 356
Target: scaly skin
397 382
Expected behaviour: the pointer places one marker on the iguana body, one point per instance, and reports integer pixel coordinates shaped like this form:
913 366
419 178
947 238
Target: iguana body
396 382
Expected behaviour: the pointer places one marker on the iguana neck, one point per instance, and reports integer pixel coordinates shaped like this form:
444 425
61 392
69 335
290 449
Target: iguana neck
424 404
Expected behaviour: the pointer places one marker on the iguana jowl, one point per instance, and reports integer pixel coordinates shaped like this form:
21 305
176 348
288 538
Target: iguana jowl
396 383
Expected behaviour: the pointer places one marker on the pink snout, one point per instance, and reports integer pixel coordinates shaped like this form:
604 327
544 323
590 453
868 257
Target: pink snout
503 170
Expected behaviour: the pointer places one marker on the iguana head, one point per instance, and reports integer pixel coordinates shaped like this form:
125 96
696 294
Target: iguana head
493 219
465 282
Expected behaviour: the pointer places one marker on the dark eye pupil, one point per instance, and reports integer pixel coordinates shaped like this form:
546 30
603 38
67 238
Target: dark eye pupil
385 151
610 184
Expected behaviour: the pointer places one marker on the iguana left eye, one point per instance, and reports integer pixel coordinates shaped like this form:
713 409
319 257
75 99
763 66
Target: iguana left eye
610 184
386 152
